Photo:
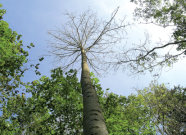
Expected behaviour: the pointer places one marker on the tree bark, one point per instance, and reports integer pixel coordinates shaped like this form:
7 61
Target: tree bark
93 120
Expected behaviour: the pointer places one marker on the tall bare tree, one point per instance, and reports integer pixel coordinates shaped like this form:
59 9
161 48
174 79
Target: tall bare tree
88 40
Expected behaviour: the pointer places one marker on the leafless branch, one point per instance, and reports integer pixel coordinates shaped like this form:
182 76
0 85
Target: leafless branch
87 32
140 58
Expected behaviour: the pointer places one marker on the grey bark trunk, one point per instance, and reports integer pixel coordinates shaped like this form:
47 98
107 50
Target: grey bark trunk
93 120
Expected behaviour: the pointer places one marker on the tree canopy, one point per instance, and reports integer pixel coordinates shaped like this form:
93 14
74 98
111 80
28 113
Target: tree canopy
98 38
164 13
13 59
167 108
55 107
12 56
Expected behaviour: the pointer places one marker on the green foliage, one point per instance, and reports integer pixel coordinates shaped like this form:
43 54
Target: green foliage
59 99
12 55
55 106
165 13
167 108
13 107
12 58
2 12
127 115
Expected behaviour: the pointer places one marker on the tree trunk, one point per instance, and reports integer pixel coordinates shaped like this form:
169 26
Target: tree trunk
93 120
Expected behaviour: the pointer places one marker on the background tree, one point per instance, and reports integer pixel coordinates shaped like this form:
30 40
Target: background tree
88 40
127 115
55 107
167 108
164 13
13 57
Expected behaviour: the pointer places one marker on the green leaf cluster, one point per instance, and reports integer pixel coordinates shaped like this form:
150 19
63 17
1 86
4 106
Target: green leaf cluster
167 108
12 57
128 116
165 13
54 107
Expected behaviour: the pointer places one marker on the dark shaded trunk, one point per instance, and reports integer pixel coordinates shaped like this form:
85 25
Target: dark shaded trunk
93 120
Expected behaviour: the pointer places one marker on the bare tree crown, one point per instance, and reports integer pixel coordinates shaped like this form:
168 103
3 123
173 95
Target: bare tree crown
86 33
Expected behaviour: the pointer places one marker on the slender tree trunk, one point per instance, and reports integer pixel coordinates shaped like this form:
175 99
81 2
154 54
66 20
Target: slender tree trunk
93 120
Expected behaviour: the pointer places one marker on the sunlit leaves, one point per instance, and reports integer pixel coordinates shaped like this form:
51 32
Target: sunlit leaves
55 107
127 115
60 95
167 107
12 58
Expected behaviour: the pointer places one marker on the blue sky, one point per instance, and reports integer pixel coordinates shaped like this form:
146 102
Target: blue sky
33 18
